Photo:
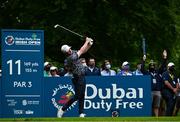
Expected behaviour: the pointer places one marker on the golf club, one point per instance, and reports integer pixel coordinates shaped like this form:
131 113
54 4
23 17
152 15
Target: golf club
144 46
59 26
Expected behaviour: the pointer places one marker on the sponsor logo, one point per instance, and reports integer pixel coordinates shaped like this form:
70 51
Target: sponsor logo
24 102
115 113
18 112
30 102
122 97
33 40
11 102
9 40
61 95
34 36
29 112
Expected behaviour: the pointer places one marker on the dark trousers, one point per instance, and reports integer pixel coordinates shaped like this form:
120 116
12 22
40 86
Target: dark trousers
79 87
170 102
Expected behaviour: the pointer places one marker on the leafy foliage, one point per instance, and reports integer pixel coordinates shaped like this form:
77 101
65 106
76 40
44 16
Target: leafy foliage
116 26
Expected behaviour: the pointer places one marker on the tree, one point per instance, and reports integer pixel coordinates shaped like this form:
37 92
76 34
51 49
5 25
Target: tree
115 25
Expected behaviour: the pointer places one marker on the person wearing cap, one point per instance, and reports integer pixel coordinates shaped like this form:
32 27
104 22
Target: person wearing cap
92 70
170 88
125 71
53 71
78 79
106 69
47 66
156 81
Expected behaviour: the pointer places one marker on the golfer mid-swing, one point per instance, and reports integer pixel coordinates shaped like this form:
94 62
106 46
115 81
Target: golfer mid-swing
78 79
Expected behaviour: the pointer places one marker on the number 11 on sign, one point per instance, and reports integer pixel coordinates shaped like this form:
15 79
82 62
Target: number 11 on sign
10 63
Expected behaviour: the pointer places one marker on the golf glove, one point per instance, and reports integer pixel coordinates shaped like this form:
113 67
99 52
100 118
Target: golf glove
90 41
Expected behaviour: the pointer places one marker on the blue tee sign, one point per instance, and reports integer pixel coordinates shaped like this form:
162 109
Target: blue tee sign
22 71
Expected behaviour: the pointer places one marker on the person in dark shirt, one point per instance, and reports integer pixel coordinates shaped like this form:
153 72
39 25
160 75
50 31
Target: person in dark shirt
170 88
177 106
92 70
156 81
78 71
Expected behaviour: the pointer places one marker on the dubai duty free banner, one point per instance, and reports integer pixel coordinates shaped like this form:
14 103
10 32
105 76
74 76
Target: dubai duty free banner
105 96
22 73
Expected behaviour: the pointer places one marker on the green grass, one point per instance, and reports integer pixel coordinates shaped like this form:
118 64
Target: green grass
96 119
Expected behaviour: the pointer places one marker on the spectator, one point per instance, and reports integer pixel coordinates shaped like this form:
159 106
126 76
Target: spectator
47 66
92 70
177 106
138 71
156 81
0 72
83 62
53 71
69 74
64 69
125 70
170 88
106 69
68 71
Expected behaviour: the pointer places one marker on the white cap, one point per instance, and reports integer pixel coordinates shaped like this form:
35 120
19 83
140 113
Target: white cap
125 63
65 48
0 70
53 68
46 63
170 64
